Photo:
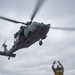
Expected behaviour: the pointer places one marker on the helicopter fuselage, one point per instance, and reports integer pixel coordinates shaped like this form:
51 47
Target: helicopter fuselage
29 35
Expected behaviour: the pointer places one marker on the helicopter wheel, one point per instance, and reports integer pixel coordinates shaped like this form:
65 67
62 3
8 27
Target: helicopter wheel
40 42
9 58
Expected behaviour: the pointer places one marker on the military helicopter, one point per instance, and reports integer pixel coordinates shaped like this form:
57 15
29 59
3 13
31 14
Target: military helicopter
29 33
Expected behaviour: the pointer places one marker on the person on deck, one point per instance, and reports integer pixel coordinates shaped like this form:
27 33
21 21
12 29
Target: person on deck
59 70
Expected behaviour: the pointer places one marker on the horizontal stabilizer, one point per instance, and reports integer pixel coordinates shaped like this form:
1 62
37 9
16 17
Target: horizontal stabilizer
4 54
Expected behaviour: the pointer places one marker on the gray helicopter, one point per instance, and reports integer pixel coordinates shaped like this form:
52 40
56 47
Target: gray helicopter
29 33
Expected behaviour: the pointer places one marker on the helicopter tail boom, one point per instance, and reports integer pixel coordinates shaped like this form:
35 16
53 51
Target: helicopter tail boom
4 54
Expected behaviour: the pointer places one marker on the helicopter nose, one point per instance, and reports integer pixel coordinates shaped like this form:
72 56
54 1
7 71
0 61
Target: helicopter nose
45 26
48 25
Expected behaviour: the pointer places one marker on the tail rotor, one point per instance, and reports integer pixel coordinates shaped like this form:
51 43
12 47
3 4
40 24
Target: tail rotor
4 45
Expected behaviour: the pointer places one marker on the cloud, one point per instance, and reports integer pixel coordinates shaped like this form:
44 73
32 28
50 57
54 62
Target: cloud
59 45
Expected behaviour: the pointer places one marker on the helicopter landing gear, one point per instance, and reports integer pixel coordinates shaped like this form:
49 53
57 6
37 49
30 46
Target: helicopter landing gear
9 58
40 42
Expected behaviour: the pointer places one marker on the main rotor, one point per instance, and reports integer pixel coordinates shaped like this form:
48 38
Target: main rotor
38 5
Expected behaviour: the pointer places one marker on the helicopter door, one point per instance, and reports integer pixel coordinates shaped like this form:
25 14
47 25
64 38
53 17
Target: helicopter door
21 35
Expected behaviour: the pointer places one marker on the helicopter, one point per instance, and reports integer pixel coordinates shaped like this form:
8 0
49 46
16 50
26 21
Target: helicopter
29 33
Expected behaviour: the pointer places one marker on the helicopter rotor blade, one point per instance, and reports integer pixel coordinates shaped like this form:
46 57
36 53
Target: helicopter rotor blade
14 21
39 3
63 28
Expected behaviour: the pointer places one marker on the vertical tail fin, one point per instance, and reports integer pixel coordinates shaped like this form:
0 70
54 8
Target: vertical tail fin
5 53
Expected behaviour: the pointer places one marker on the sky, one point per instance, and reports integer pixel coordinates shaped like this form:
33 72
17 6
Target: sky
59 45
